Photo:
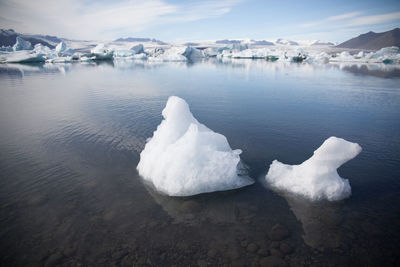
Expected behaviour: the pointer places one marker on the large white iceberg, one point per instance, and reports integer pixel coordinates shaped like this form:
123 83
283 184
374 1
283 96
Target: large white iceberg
317 177
185 158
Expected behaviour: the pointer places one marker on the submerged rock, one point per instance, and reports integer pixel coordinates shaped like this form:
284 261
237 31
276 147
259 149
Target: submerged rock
278 232
272 261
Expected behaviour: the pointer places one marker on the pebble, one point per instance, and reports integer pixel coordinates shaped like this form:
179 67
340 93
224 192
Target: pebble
201 263
263 252
212 253
272 261
54 259
252 247
276 252
126 262
278 232
285 248
234 254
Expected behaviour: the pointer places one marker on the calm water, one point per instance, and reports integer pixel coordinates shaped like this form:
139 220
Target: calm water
71 136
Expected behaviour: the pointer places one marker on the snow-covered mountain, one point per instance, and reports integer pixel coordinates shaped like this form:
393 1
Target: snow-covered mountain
8 38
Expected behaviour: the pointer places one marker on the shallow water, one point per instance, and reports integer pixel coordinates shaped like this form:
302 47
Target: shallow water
71 136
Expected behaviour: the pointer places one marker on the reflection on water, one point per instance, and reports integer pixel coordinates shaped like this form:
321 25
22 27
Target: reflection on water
70 141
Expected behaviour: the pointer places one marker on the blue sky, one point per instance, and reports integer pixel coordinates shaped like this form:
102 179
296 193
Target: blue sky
173 20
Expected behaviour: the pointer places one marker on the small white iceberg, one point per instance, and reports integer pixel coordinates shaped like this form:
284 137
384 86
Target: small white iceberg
102 53
185 158
317 177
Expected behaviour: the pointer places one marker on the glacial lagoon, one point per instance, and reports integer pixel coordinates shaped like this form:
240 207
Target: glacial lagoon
70 140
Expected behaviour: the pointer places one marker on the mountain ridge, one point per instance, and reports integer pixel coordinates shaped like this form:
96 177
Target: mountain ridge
373 41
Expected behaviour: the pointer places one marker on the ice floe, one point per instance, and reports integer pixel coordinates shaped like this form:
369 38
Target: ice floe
185 158
317 177
281 50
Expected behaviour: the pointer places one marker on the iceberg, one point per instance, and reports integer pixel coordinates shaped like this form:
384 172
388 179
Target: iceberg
61 47
211 52
6 48
185 158
62 50
192 53
21 44
137 49
176 53
154 52
24 56
102 53
317 177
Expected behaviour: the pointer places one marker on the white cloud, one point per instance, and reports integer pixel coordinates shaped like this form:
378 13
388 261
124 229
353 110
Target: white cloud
344 16
375 19
84 20
330 19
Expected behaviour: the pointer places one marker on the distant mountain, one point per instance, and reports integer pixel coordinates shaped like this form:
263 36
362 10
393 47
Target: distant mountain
318 42
261 42
226 41
373 40
141 40
8 38
191 44
286 42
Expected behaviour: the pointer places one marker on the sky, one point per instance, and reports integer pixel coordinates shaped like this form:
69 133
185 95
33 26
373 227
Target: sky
194 20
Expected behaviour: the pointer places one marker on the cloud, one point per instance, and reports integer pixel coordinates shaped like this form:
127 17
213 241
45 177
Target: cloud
345 16
101 20
375 19
330 19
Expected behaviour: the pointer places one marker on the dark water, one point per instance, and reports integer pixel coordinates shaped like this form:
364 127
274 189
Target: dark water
71 136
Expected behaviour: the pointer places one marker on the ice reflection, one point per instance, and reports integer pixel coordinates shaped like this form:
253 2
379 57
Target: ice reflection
214 207
320 221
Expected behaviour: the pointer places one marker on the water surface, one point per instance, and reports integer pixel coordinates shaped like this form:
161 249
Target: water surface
71 136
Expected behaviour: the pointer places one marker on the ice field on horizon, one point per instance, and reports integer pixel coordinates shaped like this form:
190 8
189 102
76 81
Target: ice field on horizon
184 157
282 50
317 177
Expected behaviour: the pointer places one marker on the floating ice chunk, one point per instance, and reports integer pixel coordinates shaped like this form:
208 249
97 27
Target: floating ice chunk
101 52
21 44
124 53
387 52
154 52
59 60
211 52
6 48
387 55
252 53
61 47
39 48
171 54
193 53
86 59
186 158
24 56
176 53
140 56
322 57
137 49
317 177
